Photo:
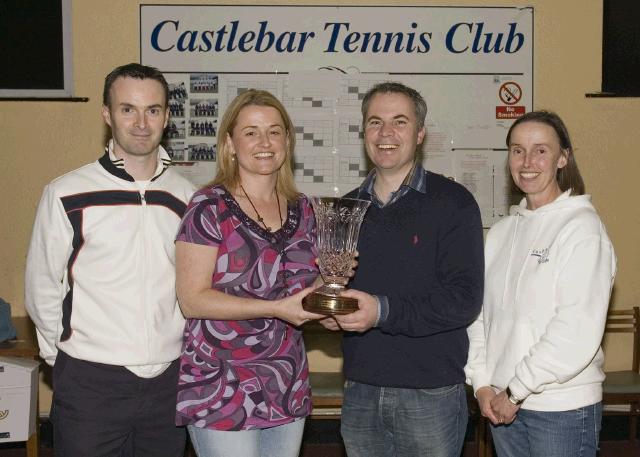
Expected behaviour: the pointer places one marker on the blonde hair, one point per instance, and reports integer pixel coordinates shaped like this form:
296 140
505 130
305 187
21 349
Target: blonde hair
228 174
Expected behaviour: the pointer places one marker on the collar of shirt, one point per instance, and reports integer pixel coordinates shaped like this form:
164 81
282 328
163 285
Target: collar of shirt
416 179
163 159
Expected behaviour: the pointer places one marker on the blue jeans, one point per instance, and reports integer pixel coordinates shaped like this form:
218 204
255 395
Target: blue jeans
280 441
571 433
395 422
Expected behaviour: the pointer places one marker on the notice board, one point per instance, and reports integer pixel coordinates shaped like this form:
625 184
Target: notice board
473 65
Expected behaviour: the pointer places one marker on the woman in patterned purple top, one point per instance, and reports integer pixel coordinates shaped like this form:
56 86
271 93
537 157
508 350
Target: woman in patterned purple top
245 258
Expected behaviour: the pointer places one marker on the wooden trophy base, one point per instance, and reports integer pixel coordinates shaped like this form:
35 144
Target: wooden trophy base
329 305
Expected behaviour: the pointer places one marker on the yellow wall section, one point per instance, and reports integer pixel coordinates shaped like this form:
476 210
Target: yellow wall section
42 140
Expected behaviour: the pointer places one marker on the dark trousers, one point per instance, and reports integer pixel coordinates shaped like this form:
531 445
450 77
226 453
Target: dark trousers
106 410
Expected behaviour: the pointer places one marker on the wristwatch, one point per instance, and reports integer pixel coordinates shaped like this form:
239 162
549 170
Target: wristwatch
512 398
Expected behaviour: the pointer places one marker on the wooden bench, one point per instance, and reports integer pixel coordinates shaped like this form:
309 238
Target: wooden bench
326 394
622 388
326 386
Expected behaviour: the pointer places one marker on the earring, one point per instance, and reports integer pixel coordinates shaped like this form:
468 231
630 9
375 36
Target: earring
233 157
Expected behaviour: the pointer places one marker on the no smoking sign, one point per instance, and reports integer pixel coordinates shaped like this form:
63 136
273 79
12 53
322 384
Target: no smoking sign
510 93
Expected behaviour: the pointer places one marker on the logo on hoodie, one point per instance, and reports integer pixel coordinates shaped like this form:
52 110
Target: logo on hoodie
541 254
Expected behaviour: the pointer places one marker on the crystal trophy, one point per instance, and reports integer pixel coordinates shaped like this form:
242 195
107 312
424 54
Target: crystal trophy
338 223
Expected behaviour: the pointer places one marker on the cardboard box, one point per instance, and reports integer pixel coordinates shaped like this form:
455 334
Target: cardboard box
18 398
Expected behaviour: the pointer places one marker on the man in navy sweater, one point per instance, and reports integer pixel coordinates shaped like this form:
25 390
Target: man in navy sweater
419 284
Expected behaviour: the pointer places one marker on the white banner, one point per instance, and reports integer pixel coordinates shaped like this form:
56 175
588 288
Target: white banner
280 39
472 65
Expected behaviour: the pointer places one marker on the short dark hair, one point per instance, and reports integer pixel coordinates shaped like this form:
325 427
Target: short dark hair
569 176
137 71
419 104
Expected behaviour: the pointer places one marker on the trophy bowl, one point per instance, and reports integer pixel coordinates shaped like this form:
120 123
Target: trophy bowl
338 223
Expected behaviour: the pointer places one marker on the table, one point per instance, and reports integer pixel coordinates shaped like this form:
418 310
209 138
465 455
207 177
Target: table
26 346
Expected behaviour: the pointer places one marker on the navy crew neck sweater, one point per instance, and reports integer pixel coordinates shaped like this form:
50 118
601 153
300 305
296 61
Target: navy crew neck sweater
425 254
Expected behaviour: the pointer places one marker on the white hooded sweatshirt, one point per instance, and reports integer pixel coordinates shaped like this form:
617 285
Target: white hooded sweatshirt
548 280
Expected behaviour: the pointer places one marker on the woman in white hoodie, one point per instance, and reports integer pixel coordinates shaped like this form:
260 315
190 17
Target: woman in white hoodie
535 360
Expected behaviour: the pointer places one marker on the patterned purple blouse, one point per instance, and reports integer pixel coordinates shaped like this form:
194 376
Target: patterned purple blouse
246 374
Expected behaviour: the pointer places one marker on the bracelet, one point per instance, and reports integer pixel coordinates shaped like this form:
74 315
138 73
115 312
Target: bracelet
375 324
512 398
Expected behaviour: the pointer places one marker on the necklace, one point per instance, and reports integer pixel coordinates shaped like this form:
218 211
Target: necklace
260 218
282 274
